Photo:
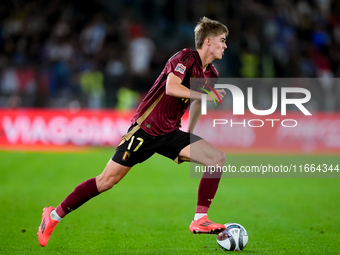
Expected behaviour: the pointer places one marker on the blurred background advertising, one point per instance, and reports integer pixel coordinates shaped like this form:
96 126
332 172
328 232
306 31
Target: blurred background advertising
71 74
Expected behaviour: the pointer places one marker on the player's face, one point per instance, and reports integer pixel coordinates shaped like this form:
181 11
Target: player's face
218 45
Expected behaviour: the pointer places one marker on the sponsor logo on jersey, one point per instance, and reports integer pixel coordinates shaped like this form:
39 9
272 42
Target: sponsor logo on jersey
180 68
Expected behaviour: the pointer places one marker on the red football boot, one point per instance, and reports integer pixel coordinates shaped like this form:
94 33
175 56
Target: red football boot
205 226
47 226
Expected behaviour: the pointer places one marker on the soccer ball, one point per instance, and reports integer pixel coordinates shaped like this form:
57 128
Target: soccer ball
234 238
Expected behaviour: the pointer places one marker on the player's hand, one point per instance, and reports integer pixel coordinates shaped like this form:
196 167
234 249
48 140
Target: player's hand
220 92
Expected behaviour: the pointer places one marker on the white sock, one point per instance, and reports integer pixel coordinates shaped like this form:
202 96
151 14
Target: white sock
55 216
199 215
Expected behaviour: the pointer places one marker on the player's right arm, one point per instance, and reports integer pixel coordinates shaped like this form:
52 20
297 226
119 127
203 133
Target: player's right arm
175 88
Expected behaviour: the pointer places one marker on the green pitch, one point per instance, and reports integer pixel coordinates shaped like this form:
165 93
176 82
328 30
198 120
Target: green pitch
150 210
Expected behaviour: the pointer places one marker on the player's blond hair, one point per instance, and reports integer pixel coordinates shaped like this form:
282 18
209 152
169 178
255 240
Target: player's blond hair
207 27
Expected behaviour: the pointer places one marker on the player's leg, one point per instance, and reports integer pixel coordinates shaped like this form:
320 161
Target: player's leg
86 190
111 175
135 148
204 153
182 146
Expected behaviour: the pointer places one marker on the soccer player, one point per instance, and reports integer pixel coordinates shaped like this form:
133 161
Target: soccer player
155 129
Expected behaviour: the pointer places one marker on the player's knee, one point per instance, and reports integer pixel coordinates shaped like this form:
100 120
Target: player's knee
217 158
104 184
220 158
108 185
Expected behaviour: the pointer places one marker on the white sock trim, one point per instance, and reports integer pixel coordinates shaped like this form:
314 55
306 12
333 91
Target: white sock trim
199 215
55 216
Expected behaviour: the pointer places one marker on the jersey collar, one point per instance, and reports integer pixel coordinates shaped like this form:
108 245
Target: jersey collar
200 60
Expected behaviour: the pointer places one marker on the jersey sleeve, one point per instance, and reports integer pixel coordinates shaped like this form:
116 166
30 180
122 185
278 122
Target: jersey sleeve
181 63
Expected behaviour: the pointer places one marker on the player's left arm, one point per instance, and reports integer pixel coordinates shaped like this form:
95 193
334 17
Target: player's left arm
194 115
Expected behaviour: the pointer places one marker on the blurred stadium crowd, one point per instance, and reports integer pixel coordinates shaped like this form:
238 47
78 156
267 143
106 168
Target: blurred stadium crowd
104 53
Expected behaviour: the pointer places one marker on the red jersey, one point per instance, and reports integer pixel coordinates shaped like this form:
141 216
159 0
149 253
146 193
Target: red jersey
160 113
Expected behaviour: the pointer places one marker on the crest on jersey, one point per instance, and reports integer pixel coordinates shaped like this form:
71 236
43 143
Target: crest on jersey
180 68
126 156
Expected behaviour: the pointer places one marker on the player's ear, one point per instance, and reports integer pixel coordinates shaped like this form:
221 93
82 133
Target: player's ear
208 41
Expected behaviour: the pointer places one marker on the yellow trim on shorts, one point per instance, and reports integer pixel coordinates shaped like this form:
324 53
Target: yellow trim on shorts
176 160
